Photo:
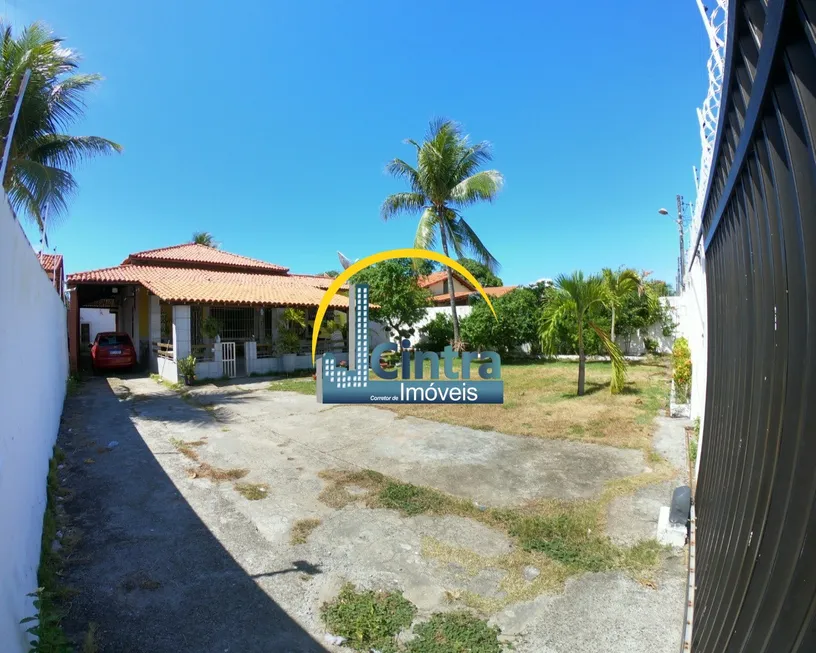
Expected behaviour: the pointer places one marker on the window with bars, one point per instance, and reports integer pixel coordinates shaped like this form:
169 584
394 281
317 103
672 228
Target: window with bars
166 314
196 318
236 323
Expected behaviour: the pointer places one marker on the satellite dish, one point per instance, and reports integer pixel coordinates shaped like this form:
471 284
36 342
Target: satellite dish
344 261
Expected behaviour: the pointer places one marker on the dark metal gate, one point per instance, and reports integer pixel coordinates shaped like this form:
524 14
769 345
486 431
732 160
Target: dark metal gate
756 516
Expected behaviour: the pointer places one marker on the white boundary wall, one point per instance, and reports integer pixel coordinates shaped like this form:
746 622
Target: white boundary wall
33 371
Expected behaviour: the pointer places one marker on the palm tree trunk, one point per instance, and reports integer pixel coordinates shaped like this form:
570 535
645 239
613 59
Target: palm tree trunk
581 360
612 334
451 291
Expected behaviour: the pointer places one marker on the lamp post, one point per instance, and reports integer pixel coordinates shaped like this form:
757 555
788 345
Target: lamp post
681 261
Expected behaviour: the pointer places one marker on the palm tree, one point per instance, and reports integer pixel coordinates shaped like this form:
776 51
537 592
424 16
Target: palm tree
577 296
41 157
619 284
204 238
445 181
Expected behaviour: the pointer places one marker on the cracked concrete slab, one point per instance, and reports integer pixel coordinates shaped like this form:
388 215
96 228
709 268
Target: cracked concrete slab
228 577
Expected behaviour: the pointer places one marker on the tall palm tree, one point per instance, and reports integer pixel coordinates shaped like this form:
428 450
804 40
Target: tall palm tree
577 296
204 238
42 156
445 180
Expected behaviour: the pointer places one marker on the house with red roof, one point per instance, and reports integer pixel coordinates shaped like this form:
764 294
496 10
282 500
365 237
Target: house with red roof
168 300
437 285
55 269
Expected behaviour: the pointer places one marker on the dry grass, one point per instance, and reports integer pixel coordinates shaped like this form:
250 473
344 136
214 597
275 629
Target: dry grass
540 400
302 529
559 538
217 474
187 448
253 491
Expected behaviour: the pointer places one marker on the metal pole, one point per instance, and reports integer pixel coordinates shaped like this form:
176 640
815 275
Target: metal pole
14 116
682 246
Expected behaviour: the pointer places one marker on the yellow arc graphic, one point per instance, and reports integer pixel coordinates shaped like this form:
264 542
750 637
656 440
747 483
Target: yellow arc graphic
362 264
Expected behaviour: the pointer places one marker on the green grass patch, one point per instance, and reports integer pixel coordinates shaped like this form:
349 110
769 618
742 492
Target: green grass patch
368 619
559 538
253 491
304 387
455 632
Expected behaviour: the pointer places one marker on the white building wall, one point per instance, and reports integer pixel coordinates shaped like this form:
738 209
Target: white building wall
32 390
98 320
634 345
431 313
438 287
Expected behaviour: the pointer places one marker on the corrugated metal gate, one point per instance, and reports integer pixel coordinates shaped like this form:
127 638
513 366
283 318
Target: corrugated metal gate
756 516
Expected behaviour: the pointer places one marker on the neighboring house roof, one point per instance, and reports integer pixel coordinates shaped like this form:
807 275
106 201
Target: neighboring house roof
220 278
318 280
50 262
490 292
200 254
442 275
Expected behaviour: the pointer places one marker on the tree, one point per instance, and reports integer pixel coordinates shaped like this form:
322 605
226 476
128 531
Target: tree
445 181
38 178
618 284
393 287
438 333
204 238
331 273
580 297
516 325
482 273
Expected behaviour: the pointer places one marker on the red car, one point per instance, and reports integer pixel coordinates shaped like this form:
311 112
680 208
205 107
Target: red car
112 350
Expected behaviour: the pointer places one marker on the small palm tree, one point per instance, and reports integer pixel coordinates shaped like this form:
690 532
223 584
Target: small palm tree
577 296
619 284
204 238
38 176
445 181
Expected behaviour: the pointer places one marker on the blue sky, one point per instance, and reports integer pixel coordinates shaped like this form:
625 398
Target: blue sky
269 125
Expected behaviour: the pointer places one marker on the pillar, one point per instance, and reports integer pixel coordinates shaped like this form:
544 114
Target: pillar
154 326
181 332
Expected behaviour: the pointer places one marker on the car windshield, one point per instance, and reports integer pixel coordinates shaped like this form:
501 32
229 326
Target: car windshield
113 340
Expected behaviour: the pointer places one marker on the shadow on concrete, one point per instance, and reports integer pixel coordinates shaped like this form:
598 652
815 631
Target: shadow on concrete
148 571
297 566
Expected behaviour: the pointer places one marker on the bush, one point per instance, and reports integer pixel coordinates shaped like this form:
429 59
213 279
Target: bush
681 364
650 345
437 334
517 323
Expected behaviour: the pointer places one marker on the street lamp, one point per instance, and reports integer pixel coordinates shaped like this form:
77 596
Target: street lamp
681 262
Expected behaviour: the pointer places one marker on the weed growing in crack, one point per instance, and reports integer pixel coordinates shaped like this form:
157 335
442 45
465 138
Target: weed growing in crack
368 619
302 529
253 491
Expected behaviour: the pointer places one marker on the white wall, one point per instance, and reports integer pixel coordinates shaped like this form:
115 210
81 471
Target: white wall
32 390
438 287
98 319
431 313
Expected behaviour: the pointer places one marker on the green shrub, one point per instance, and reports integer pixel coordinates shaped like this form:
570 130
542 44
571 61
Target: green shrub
681 365
455 632
650 345
370 619
437 334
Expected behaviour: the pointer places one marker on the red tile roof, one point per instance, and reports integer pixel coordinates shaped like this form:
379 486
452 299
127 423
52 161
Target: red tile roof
442 275
187 253
498 291
196 286
50 262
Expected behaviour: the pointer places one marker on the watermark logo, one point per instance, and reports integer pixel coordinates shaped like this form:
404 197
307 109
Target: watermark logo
361 378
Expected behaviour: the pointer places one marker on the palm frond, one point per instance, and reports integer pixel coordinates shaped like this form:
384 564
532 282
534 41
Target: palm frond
426 230
402 170
559 305
464 238
399 203
481 187
615 356
68 151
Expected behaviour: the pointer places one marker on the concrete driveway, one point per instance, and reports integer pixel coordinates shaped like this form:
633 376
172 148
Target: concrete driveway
173 562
